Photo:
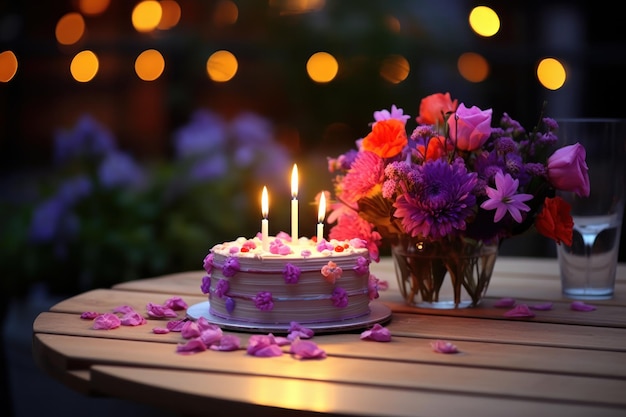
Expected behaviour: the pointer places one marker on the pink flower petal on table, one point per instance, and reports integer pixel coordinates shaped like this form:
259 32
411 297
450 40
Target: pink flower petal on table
227 343
132 318
190 330
211 336
123 309
521 310
160 330
297 330
266 351
106 321
542 306
89 315
377 333
175 303
442 346
176 325
191 347
505 302
263 345
581 306
305 349
204 324
159 311
383 285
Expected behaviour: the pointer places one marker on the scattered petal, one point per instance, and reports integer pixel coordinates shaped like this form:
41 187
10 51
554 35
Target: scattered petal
377 333
159 311
190 330
266 351
227 343
263 345
123 309
211 336
204 324
543 306
132 318
175 303
176 325
297 330
305 349
191 347
160 330
106 321
89 315
521 310
505 302
581 306
442 346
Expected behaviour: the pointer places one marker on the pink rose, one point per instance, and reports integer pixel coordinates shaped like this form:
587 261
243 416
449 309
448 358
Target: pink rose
470 128
568 171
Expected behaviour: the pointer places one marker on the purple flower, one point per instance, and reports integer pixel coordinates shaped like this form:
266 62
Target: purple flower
222 288
263 301
291 274
118 169
339 297
231 267
362 265
205 287
230 305
205 132
440 202
88 139
504 198
395 113
207 264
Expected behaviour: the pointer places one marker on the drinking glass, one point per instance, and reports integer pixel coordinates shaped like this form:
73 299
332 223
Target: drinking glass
588 267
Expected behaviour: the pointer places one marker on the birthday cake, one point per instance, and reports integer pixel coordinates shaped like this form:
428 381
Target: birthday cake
307 282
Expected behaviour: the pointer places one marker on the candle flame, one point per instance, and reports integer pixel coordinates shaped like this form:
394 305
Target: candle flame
264 203
294 181
321 212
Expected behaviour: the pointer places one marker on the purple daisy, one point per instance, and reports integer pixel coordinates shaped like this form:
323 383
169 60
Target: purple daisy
441 201
503 198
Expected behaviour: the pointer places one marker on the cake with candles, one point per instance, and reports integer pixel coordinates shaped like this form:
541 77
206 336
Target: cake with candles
274 281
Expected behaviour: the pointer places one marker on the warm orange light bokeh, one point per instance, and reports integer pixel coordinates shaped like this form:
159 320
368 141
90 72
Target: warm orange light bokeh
93 7
8 66
149 65
70 28
84 66
473 67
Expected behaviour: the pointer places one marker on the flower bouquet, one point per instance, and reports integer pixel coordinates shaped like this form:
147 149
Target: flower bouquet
447 194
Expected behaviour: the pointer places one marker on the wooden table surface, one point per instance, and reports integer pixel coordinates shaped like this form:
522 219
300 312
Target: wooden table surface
560 363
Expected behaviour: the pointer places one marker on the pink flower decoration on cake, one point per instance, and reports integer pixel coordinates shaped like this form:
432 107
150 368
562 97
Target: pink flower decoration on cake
205 287
339 297
331 272
291 273
249 244
372 287
324 245
305 253
231 267
358 243
278 247
362 265
222 288
263 301
208 263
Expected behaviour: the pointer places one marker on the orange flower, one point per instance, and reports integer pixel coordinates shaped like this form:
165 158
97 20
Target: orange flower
434 107
555 221
436 148
387 138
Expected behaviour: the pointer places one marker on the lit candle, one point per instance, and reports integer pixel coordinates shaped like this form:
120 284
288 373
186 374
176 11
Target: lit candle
264 222
294 204
321 213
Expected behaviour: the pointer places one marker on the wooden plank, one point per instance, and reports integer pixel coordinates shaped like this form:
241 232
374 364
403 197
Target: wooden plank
477 353
225 395
535 386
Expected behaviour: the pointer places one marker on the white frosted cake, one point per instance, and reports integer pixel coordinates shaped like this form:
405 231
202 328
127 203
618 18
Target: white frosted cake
308 282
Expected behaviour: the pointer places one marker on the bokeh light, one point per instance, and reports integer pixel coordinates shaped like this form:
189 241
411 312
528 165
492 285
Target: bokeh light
473 67
222 66
8 66
70 28
322 67
149 65
146 15
395 69
226 13
171 13
551 73
484 21
93 7
84 66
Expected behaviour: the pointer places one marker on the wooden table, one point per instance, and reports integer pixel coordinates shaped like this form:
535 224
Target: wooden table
559 363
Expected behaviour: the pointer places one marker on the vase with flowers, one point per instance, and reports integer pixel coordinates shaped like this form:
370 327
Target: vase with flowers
447 194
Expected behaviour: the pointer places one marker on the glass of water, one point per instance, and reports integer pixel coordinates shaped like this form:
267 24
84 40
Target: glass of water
588 267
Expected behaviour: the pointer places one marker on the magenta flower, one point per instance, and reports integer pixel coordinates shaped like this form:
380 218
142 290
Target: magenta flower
291 273
263 301
106 321
222 288
159 311
377 333
470 127
339 297
366 173
175 303
504 198
231 266
207 264
568 171
442 346
331 272
305 349
205 287
362 265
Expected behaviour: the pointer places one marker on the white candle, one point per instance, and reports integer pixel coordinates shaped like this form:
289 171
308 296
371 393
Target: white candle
321 213
264 222
294 204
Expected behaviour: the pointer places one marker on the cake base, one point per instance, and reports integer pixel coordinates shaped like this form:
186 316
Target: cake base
379 313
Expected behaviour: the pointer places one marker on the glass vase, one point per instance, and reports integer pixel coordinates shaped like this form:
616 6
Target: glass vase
422 269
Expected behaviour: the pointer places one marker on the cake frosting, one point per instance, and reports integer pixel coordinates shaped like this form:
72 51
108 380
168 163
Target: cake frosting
306 282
